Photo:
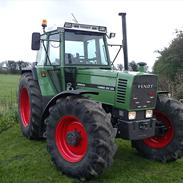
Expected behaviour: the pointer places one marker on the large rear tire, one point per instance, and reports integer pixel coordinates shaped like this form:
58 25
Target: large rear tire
167 144
80 137
29 106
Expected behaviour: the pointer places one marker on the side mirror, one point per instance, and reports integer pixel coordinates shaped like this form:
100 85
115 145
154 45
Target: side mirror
35 41
112 35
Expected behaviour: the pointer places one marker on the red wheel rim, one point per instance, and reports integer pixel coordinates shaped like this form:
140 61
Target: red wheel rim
71 153
158 142
25 107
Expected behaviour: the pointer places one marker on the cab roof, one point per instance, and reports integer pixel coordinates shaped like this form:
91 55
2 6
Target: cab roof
80 27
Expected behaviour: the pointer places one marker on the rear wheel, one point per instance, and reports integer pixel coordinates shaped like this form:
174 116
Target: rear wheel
167 144
80 137
29 106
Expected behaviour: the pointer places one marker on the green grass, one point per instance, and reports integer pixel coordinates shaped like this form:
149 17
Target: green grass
8 104
8 92
25 161
8 86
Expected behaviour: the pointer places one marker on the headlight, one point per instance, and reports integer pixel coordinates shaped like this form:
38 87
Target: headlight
149 113
131 115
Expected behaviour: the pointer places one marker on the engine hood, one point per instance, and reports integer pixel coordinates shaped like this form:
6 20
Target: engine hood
117 88
98 72
111 73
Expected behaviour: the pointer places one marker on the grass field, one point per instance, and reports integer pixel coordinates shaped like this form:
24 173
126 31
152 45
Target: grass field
25 161
8 90
8 86
8 104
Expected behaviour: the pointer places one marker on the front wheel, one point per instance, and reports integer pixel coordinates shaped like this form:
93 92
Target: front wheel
80 137
167 144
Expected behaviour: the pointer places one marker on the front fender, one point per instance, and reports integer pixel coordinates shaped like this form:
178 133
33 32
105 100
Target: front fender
63 95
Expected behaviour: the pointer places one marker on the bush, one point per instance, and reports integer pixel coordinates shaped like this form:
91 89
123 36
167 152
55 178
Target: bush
8 119
175 88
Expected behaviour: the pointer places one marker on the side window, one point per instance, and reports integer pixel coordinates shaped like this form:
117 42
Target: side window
103 52
54 49
41 55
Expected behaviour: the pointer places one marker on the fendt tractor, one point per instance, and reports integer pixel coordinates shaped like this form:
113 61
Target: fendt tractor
72 97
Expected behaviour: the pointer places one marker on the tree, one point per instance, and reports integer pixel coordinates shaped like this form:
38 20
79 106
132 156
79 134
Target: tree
12 66
133 66
178 85
120 67
171 58
169 67
19 63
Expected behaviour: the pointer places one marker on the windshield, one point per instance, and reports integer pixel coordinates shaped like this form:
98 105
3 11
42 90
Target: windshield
85 48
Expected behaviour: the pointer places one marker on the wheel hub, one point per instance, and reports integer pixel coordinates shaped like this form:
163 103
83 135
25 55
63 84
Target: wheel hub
73 138
161 129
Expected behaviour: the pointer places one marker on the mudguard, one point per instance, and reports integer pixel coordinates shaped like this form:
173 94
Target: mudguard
64 94
31 69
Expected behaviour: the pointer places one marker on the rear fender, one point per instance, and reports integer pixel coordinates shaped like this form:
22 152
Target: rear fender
31 69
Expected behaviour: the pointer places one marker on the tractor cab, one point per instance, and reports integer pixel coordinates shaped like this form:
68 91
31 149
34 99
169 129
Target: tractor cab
64 51
72 45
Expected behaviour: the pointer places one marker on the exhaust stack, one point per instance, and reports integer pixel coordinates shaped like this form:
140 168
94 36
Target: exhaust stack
124 41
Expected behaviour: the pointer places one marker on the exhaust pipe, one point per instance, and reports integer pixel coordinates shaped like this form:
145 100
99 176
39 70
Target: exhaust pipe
124 41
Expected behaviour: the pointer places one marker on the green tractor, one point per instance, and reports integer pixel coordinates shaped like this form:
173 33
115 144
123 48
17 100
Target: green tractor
73 98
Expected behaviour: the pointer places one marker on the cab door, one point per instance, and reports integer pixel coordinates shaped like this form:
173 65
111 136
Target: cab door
49 65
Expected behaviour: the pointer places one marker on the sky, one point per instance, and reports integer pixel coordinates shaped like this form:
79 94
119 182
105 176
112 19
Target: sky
151 24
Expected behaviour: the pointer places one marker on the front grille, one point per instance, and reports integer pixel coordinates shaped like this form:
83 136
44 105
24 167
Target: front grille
144 91
121 91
